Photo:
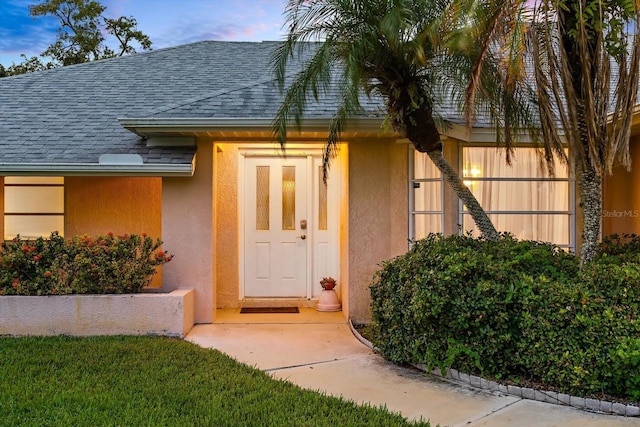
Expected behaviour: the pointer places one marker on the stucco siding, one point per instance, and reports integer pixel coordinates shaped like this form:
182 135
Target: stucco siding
227 262
621 204
451 150
97 205
121 205
187 231
377 215
2 205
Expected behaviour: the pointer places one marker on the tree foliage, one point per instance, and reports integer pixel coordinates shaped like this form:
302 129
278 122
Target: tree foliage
412 54
81 36
586 56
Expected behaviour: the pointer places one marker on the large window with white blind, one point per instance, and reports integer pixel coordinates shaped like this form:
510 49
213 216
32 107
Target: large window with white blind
523 198
425 196
33 206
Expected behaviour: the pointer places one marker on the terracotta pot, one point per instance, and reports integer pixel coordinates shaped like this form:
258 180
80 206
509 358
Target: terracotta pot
328 301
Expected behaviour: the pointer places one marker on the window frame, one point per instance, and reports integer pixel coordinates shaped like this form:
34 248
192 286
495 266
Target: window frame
570 179
412 181
6 214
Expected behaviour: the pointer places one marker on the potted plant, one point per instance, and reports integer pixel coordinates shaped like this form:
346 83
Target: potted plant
328 283
328 300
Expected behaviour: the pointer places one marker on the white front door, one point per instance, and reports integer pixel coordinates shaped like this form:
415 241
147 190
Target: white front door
290 224
275 231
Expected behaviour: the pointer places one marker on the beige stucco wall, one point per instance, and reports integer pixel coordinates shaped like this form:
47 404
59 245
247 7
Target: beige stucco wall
121 205
451 151
227 262
2 205
377 215
187 231
621 204
344 279
97 205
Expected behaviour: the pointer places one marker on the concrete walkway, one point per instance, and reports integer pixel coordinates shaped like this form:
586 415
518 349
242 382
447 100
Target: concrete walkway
328 358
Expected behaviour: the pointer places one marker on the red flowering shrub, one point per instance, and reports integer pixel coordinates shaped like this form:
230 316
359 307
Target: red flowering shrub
82 265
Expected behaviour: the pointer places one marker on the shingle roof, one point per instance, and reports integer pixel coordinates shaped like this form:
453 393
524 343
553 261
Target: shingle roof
69 115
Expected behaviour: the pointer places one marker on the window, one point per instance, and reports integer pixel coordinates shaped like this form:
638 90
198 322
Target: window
522 198
33 206
425 196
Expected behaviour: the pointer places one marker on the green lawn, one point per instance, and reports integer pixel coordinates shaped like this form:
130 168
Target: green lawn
134 381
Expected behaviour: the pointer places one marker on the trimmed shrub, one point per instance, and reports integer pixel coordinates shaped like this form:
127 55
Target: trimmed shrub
83 265
513 310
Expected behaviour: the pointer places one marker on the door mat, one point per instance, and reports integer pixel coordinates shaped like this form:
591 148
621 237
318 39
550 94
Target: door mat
260 310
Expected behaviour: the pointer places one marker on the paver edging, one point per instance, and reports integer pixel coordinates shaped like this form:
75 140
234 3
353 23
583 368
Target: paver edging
548 396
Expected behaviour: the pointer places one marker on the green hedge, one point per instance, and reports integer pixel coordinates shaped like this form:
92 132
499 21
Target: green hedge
83 265
515 310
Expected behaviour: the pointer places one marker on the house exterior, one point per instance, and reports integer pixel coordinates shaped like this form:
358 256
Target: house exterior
177 143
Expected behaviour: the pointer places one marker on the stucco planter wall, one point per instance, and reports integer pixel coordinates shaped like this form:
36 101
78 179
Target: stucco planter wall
170 314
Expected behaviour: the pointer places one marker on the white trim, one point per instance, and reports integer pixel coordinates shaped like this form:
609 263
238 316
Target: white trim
95 169
152 125
271 149
478 134
311 236
171 141
240 216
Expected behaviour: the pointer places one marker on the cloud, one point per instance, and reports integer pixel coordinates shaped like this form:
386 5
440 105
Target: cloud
166 22
220 20
21 33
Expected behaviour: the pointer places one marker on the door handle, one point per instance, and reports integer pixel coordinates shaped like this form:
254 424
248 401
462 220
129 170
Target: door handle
304 236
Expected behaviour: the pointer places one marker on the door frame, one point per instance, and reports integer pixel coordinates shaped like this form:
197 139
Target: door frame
293 150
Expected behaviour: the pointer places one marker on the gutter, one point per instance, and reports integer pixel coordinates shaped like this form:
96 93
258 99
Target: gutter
148 127
157 125
95 169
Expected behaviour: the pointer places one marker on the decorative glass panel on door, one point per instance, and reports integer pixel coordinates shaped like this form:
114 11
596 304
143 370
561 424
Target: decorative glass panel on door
262 197
322 201
288 197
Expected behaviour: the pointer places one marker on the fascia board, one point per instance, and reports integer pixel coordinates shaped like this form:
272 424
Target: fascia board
147 127
92 169
150 126
481 134
478 134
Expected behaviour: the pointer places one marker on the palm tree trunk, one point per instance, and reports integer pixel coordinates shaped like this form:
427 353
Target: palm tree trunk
478 214
420 128
591 201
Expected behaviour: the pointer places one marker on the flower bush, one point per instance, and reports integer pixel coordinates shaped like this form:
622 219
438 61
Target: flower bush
515 310
82 265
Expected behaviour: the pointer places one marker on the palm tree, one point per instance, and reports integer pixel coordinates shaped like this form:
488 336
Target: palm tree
586 55
413 54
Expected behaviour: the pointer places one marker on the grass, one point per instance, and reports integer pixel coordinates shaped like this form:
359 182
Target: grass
154 381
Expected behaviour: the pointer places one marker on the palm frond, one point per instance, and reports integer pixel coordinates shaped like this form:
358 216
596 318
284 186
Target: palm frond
587 72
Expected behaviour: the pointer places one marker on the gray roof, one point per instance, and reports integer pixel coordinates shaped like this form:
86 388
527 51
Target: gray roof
63 120
69 115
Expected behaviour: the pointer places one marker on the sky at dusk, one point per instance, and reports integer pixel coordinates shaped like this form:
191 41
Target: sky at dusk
166 22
